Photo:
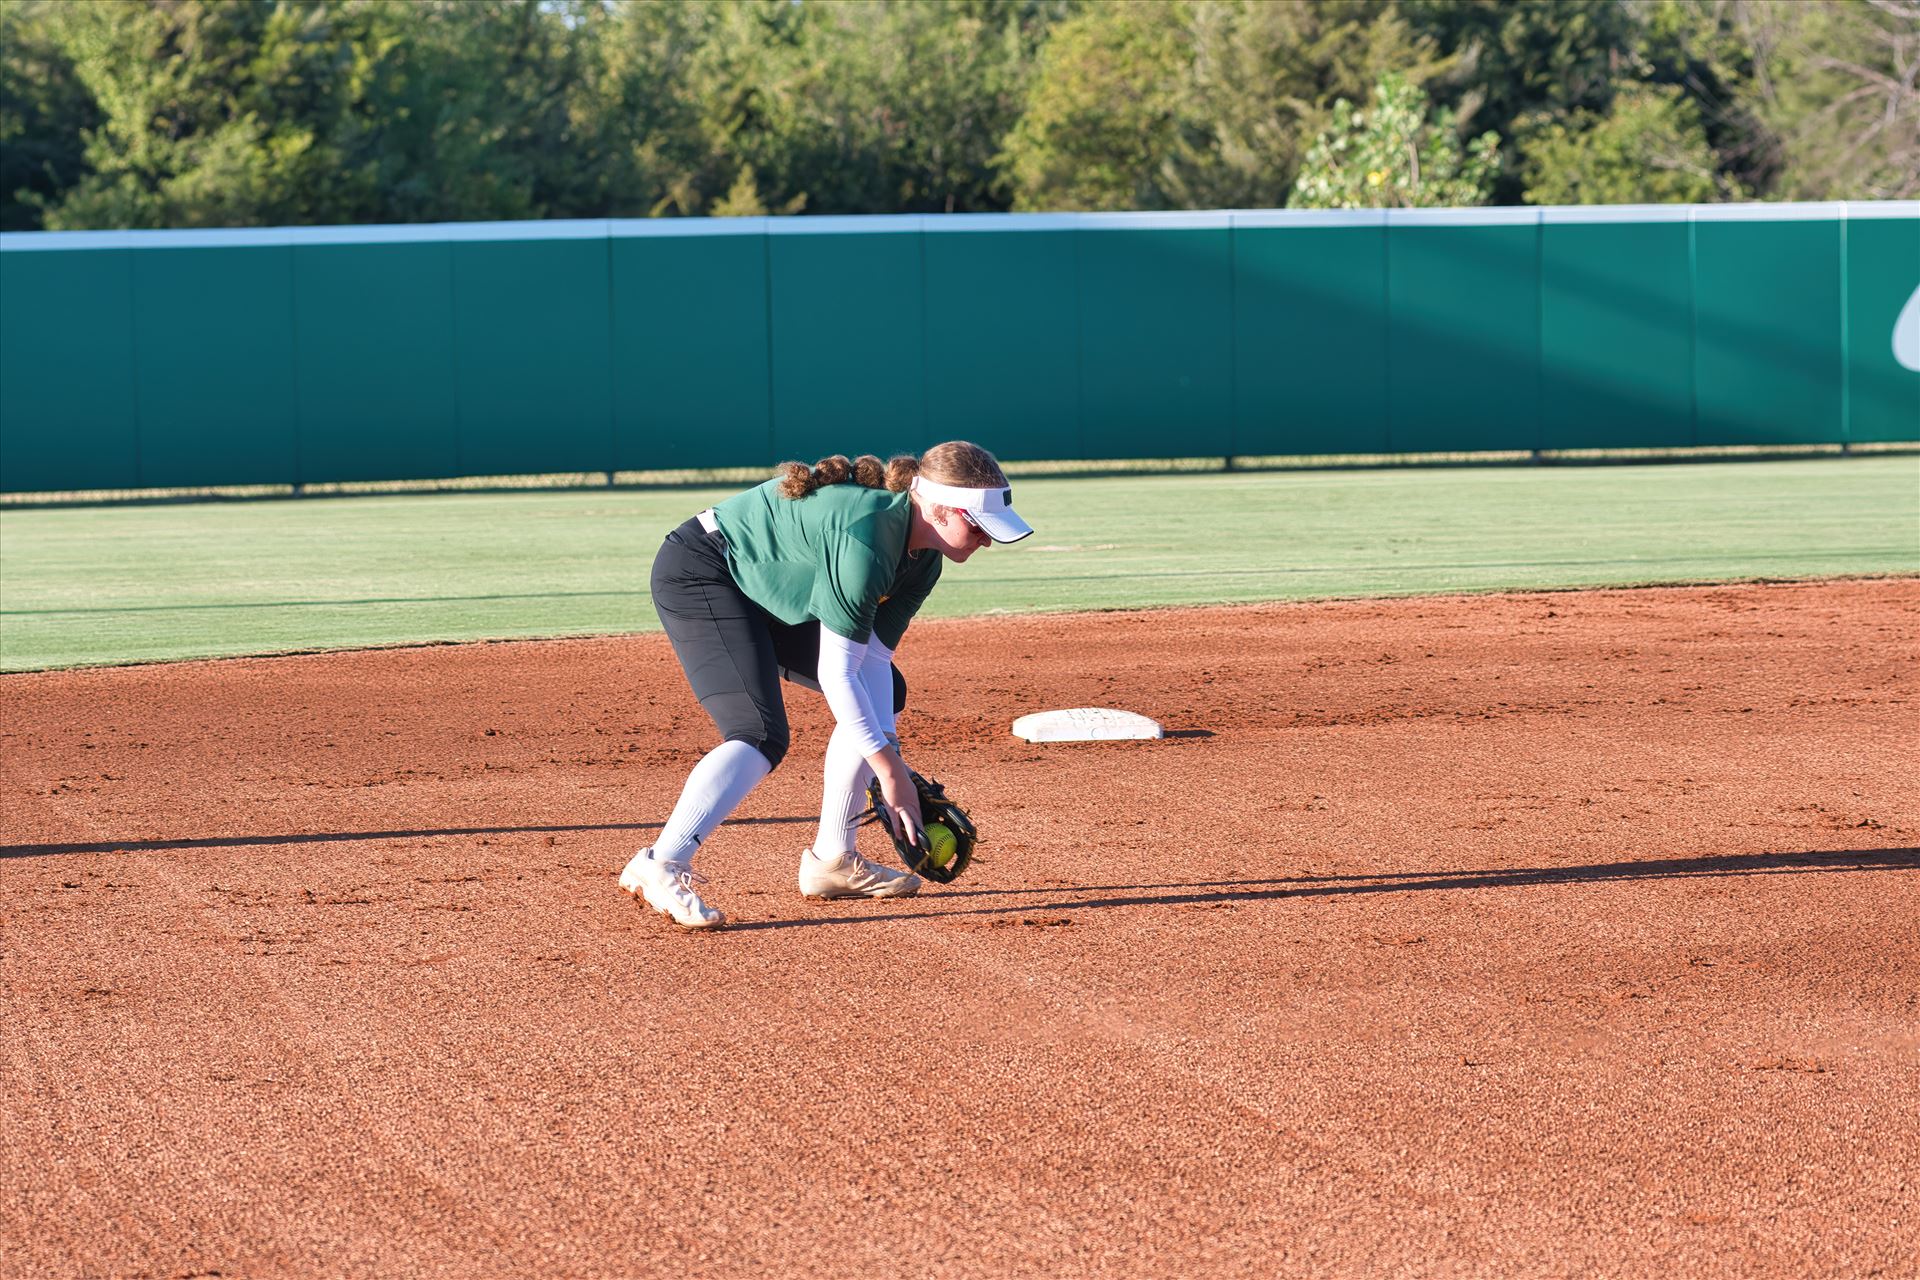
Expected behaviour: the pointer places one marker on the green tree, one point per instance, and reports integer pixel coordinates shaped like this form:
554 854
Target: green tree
247 112
745 81
1649 148
928 93
891 106
1260 84
1700 47
222 113
1515 60
175 146
1838 84
1102 113
44 111
1198 104
1393 154
866 106
640 106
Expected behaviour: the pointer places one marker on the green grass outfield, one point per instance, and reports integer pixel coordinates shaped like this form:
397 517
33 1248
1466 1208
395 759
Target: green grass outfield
134 583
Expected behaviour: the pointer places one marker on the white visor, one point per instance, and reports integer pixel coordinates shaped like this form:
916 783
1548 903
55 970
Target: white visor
991 509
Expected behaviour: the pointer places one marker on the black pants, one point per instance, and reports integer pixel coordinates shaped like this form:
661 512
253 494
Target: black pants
733 651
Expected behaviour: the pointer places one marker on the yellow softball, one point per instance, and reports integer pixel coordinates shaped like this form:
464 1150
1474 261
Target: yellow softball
941 843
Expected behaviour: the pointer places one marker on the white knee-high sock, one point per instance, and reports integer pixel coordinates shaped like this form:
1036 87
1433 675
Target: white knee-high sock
843 796
714 789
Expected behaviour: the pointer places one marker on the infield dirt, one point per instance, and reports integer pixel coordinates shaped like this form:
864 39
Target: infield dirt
1528 935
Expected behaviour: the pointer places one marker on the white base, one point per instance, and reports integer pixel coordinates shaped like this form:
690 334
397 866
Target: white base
1085 724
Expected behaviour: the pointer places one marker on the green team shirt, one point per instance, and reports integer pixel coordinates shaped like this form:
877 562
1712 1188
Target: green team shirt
838 555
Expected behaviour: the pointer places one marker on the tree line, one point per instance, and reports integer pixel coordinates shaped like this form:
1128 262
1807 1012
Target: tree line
223 113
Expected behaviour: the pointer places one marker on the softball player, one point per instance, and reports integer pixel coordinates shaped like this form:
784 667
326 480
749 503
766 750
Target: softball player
813 578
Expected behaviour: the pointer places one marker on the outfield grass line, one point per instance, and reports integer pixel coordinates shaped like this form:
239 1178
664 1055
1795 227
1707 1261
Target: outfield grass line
1459 566
1273 572
322 604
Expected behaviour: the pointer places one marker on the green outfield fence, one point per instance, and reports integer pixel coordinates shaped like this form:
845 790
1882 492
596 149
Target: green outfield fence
159 359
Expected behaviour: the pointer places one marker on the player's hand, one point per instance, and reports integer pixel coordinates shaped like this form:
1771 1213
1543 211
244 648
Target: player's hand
897 789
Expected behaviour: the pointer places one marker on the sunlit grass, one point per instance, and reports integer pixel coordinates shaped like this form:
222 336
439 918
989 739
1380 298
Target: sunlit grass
110 584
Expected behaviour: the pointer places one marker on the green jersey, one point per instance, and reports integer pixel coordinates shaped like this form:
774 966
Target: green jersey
838 555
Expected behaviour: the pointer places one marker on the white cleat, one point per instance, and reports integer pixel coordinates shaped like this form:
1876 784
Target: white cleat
667 887
848 875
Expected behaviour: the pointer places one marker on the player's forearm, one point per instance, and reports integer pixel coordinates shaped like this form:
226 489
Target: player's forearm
876 677
841 660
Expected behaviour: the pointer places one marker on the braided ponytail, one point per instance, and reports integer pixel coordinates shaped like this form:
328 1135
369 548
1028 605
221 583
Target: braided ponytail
797 480
955 462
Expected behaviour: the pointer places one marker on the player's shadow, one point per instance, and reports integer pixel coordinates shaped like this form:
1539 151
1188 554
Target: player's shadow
336 837
1061 901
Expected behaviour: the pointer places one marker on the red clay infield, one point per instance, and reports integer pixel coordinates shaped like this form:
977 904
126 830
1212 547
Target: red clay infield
1525 935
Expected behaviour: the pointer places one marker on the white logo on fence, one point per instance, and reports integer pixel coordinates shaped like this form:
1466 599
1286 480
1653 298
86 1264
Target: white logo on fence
1906 333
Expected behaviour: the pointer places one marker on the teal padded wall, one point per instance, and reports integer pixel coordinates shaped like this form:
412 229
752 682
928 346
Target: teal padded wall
1883 281
215 377
690 378
376 394
1463 306
312 355
1310 337
1004 374
849 342
67 413
1156 336
533 344
1767 359
1616 332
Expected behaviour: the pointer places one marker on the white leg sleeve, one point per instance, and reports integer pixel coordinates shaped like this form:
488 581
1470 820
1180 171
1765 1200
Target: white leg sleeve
844 793
714 789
